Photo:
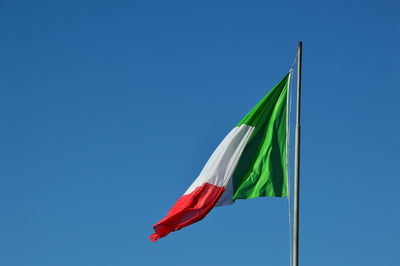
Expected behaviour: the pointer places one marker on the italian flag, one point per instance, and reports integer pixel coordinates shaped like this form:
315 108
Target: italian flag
250 162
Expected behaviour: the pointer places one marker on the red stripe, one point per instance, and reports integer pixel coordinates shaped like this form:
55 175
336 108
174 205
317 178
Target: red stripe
188 209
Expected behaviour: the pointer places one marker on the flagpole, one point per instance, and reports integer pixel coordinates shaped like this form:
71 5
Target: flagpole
297 163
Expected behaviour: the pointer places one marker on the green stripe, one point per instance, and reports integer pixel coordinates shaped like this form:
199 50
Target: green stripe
261 170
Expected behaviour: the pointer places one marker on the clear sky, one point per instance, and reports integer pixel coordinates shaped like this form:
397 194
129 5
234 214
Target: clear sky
109 110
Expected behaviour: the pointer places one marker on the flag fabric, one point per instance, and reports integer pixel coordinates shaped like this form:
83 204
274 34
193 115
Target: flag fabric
250 162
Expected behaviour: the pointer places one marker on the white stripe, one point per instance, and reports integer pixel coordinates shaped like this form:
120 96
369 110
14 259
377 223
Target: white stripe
219 168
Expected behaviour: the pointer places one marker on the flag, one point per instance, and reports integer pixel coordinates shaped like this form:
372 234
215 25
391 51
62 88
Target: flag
250 162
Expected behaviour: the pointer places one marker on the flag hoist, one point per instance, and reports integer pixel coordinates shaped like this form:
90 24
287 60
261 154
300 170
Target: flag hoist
250 162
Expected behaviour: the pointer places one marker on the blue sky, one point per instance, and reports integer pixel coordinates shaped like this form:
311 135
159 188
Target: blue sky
109 110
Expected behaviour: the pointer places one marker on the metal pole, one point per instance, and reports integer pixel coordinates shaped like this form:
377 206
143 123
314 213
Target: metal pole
297 163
